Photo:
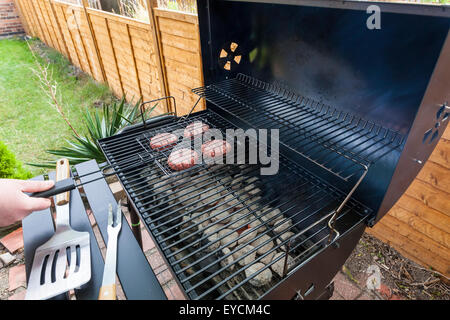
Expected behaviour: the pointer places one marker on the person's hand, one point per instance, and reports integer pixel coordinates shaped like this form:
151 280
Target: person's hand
15 204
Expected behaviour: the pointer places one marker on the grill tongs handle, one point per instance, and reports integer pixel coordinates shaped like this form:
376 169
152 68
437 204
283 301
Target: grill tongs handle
59 187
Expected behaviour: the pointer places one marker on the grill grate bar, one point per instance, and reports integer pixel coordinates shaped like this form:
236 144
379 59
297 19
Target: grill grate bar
306 126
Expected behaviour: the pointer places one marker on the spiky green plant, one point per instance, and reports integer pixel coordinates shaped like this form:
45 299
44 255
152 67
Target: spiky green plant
99 125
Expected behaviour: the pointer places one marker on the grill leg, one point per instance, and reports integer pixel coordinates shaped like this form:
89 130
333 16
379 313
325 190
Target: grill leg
135 223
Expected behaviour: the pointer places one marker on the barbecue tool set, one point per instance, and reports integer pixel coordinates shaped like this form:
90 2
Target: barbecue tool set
63 262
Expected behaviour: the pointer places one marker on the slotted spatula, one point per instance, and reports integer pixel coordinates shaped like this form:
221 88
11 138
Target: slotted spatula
63 262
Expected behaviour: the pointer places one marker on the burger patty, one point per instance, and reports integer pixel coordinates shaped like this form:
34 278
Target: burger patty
163 140
215 148
195 129
182 159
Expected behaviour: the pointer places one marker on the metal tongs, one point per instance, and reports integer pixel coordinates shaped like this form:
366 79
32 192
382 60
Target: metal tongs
108 288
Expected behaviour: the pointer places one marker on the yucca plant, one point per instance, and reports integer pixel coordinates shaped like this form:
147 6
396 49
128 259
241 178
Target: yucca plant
99 125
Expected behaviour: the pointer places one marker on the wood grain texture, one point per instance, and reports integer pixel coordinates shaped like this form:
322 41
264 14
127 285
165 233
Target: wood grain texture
133 56
418 226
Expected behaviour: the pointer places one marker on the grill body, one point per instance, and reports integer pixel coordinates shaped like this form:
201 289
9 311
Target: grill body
358 111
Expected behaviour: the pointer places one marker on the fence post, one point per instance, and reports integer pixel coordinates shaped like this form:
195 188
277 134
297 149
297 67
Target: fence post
158 49
94 40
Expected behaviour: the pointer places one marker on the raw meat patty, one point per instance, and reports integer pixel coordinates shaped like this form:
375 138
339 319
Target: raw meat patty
163 140
215 148
195 129
182 159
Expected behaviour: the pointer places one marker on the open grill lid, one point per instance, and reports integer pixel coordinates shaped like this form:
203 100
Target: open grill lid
393 77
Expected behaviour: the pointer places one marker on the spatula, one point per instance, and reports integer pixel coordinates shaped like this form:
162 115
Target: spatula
63 262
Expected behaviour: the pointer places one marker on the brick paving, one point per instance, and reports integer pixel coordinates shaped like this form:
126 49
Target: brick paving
17 277
13 241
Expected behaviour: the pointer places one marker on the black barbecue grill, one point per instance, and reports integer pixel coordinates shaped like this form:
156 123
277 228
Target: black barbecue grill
228 232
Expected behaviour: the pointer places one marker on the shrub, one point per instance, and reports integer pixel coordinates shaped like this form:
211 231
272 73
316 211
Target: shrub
10 167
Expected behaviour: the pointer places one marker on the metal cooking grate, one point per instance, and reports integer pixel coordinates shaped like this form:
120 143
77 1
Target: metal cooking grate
179 208
307 127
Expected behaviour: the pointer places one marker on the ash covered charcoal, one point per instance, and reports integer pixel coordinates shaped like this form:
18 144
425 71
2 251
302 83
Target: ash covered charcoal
188 196
211 197
271 216
278 267
231 201
236 223
252 189
261 279
186 227
248 236
225 180
217 167
210 243
268 257
256 204
228 261
236 183
260 240
233 170
282 237
252 180
282 225
180 179
258 226
221 212
163 184
211 229
228 240
202 218
245 252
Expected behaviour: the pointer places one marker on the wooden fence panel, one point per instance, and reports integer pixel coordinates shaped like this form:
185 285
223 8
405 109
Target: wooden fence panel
49 25
31 9
58 30
60 12
43 20
88 46
24 18
418 226
127 53
180 46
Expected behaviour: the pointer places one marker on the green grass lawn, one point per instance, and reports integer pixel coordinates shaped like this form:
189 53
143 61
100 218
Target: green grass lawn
29 125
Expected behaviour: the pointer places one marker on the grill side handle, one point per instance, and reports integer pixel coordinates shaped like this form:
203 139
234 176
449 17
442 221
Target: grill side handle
147 122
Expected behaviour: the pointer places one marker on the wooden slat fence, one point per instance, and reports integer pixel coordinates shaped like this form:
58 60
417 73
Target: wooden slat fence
121 51
418 226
